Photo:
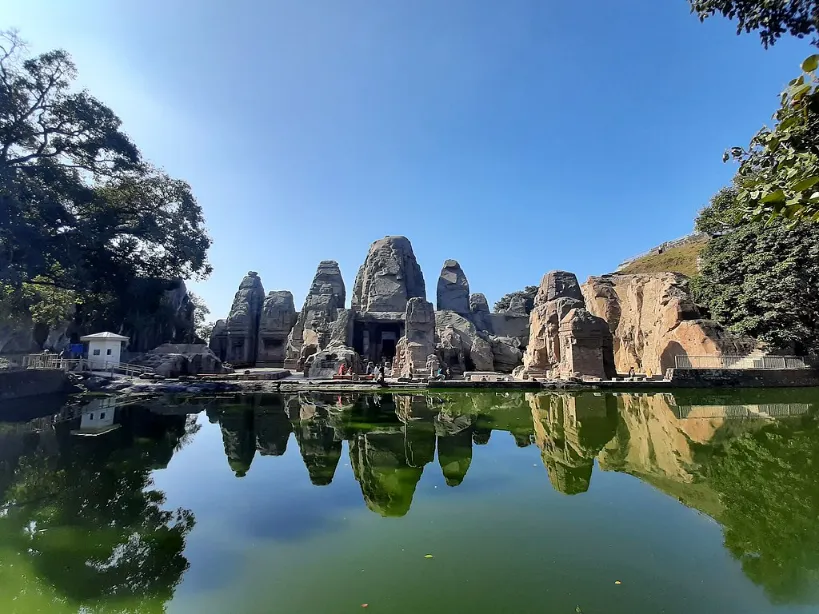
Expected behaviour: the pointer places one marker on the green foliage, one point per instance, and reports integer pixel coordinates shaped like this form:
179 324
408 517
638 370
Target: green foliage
760 279
200 312
79 208
778 174
527 294
771 19
769 488
39 299
720 215
88 521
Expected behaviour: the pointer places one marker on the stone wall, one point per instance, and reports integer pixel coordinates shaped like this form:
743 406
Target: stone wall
22 383
743 378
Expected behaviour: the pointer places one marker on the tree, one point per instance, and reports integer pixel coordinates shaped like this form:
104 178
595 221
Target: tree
778 173
768 486
79 208
761 279
88 521
527 295
772 19
200 311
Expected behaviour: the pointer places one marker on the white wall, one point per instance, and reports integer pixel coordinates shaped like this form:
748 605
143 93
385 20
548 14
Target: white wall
103 352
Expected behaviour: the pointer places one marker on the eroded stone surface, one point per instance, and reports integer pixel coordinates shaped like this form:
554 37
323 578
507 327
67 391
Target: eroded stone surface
389 277
242 324
277 320
314 328
479 312
565 340
418 342
453 289
653 318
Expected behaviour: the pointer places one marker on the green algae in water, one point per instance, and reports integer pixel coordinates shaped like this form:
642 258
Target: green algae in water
700 501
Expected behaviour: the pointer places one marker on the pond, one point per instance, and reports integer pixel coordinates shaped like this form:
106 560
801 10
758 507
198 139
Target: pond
472 502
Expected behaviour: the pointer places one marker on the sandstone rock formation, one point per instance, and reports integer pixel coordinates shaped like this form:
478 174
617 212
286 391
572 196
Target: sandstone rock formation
243 322
418 341
218 341
320 450
585 346
277 319
570 430
481 354
389 465
455 336
517 306
462 347
506 352
175 359
326 362
479 312
558 323
314 327
388 278
453 289
507 324
653 318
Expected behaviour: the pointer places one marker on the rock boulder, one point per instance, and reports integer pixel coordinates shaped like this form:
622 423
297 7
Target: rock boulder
479 312
653 318
242 323
277 319
453 289
418 342
388 278
560 321
314 328
326 362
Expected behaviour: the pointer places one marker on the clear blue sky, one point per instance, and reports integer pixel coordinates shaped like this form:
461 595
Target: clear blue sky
516 137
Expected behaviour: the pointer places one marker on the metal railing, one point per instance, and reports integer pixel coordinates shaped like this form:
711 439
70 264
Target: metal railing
740 362
776 410
53 361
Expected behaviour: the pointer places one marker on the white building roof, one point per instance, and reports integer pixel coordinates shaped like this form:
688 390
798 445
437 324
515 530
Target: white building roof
104 337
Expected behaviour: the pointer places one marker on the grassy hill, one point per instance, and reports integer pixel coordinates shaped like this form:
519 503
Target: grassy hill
682 259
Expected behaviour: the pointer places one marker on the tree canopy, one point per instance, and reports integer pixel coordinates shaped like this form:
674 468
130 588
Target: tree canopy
80 209
768 485
760 279
771 19
778 173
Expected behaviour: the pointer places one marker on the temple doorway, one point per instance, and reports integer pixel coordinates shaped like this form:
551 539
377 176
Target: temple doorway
375 340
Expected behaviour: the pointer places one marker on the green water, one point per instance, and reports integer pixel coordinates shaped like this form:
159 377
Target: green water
593 503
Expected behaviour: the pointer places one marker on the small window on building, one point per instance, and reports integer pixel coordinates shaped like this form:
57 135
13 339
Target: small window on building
96 352
91 416
108 351
102 416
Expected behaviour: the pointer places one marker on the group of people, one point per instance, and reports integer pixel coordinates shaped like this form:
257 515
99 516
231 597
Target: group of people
379 371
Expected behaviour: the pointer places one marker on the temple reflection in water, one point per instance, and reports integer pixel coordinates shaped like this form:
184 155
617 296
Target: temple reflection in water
392 438
94 465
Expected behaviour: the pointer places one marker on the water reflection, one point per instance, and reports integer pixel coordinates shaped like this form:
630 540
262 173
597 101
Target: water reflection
81 515
81 521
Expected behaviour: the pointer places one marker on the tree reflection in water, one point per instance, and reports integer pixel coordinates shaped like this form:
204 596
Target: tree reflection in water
82 514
